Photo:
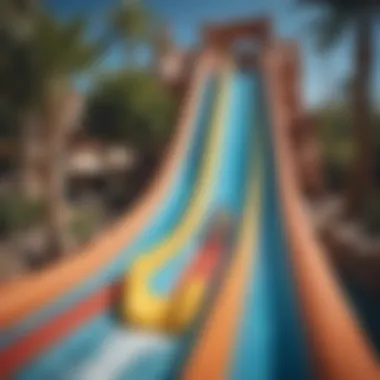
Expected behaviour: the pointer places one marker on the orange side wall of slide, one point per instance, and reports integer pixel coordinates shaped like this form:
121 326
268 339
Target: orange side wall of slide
339 346
23 296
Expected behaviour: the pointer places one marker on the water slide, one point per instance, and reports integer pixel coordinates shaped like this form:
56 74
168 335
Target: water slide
62 339
75 298
281 312
191 305
259 334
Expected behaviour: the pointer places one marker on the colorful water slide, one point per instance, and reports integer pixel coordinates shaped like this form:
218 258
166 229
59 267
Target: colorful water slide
229 193
270 341
78 338
70 305
338 345
99 348
253 299
219 188
280 312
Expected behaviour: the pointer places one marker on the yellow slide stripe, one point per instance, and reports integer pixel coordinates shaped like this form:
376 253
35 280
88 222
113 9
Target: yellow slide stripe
213 351
141 306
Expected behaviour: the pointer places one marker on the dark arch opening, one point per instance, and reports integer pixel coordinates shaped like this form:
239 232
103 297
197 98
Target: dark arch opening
246 51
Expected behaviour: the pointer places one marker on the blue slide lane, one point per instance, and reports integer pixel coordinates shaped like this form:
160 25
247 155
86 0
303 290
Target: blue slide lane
228 189
271 341
228 194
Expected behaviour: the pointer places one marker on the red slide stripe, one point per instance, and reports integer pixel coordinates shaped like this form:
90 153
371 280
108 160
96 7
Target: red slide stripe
38 341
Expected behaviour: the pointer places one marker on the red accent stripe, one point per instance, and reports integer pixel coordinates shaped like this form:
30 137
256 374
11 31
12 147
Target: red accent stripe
38 341
205 263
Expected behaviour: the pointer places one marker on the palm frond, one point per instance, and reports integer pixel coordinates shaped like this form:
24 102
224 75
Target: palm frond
328 28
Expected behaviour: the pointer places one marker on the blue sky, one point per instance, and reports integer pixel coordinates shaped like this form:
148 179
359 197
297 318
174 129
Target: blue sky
323 73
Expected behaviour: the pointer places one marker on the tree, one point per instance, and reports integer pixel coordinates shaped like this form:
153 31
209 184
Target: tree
131 107
132 24
42 56
17 78
134 109
359 16
59 52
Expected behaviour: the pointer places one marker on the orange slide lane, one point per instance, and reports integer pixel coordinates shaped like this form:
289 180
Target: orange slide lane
338 344
212 353
23 296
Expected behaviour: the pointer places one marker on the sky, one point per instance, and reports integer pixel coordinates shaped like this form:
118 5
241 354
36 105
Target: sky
323 74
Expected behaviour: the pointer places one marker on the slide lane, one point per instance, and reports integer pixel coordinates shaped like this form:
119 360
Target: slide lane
147 300
255 329
271 341
212 352
95 331
227 194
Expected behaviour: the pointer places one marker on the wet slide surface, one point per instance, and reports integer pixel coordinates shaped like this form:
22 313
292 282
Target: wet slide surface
227 194
255 330
268 341
271 340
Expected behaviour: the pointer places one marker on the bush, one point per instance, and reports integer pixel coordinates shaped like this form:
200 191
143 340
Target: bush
83 225
131 107
371 215
17 213
334 128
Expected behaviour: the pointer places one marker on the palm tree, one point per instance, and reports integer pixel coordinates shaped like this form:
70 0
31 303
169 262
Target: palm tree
50 54
17 26
359 16
59 52
134 26
16 17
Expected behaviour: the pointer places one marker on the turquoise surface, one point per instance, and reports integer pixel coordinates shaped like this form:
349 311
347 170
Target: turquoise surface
271 341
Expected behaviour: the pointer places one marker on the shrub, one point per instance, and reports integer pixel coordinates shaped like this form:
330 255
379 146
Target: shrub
371 215
17 213
334 129
82 226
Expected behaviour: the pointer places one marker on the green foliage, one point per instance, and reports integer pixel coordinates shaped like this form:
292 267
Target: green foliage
61 50
17 213
83 225
17 78
371 215
55 49
335 129
16 16
338 16
132 22
61 47
131 107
